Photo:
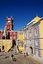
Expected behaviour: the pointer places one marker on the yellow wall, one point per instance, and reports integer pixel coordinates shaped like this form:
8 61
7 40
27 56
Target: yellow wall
41 36
1 44
6 43
21 37
36 19
21 48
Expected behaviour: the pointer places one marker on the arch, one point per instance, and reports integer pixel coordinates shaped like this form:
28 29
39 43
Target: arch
13 43
2 47
0 50
31 49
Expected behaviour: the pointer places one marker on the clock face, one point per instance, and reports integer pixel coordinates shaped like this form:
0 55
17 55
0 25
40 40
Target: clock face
9 21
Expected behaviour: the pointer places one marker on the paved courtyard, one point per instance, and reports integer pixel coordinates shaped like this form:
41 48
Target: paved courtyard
5 58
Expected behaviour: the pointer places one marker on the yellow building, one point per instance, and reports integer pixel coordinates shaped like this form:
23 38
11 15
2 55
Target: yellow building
20 38
41 36
40 21
34 36
5 45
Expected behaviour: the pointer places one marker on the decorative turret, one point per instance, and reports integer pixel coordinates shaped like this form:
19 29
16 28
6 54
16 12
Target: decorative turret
9 24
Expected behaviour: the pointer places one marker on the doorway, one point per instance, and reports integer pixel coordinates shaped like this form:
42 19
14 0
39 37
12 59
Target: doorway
31 49
0 50
2 47
13 43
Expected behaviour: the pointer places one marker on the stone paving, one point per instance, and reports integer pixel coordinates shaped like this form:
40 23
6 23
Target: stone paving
5 58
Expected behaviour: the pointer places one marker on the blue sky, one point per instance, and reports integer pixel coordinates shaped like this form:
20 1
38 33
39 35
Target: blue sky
22 11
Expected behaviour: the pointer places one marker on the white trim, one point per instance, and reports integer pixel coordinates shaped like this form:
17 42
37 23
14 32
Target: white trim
30 22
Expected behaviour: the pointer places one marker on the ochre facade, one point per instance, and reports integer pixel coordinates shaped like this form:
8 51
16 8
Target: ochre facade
5 45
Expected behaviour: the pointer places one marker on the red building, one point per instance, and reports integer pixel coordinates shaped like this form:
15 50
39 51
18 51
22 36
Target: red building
9 29
9 24
8 32
1 34
13 35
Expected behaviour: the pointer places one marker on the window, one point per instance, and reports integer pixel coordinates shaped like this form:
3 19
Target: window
36 31
8 35
36 52
36 42
30 41
30 35
30 30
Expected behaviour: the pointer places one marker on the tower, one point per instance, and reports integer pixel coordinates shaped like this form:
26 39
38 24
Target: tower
9 24
9 27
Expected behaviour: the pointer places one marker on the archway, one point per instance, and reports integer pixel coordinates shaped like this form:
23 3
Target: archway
2 47
31 48
0 50
13 43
